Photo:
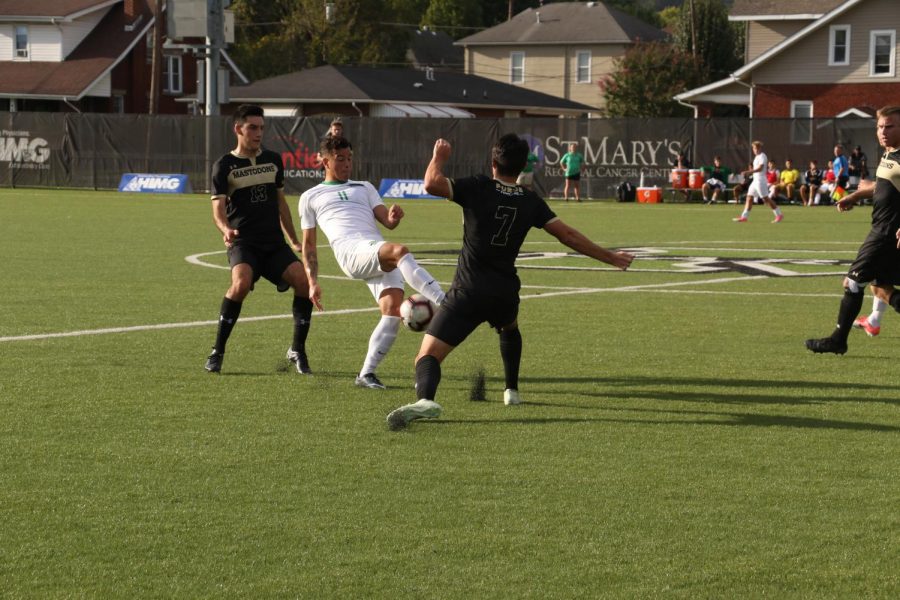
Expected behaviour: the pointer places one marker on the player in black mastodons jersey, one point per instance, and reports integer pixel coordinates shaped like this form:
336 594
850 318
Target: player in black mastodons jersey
878 259
250 210
497 215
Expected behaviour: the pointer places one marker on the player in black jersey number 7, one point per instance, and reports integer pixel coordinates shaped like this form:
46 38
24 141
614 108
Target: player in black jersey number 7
497 215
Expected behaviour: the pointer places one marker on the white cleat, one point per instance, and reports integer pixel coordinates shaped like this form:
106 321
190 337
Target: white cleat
511 397
423 409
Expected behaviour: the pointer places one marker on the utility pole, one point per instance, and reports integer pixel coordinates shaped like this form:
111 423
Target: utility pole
156 58
215 41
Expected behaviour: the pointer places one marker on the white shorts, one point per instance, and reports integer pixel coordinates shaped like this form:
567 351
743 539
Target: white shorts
525 178
759 188
826 187
358 259
715 184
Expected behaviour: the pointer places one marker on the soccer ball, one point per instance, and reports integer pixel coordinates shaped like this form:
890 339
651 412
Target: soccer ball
417 312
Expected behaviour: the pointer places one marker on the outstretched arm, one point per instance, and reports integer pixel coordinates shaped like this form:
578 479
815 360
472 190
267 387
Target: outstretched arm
311 262
577 241
436 183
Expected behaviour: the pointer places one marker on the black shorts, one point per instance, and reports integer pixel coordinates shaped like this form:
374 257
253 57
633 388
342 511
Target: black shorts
267 260
574 177
878 260
842 181
464 310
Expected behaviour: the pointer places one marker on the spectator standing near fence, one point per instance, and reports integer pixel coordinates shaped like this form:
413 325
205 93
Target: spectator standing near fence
717 178
571 162
526 177
840 167
878 259
858 169
759 187
250 210
809 191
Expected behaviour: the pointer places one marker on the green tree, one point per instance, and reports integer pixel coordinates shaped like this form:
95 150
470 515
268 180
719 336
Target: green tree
706 32
646 78
645 10
455 17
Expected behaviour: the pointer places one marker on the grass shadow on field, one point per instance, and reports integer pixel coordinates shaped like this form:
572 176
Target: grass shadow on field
730 391
729 419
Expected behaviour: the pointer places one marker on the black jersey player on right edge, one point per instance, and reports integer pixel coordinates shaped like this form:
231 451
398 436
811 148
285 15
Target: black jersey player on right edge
497 215
878 259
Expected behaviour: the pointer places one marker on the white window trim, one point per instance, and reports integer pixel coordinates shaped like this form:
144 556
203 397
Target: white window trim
798 103
874 34
795 129
512 70
15 40
832 34
178 86
579 54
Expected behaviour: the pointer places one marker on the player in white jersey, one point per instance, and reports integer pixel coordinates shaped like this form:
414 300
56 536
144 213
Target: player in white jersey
348 212
759 187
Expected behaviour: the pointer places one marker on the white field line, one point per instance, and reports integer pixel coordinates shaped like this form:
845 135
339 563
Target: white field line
652 288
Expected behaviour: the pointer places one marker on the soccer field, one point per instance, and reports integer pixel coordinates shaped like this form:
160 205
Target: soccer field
677 439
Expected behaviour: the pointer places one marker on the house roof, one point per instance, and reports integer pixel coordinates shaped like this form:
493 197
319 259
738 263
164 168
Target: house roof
45 10
761 10
331 83
72 78
567 23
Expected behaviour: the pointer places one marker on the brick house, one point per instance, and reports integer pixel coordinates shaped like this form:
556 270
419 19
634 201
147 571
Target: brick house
810 59
88 56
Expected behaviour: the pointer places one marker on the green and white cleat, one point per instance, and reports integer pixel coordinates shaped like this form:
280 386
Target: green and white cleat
423 409
511 397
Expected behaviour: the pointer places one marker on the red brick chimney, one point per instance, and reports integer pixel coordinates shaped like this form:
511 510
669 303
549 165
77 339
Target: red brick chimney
133 8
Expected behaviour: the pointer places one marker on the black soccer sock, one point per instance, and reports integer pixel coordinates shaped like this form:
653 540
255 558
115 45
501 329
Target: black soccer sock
851 304
895 300
428 376
228 316
302 309
511 353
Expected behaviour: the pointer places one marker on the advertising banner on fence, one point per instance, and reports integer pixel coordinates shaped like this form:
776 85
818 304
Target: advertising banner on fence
404 189
155 183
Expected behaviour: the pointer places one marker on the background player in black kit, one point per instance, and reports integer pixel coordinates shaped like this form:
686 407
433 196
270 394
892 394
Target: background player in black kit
878 259
497 215
250 210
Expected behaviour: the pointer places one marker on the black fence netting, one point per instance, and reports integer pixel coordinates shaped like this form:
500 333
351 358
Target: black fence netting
95 150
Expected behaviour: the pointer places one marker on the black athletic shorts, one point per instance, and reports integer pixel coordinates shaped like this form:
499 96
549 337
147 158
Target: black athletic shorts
878 260
574 177
267 260
464 310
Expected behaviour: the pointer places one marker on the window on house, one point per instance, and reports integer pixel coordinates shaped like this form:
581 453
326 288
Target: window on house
172 75
21 41
839 45
801 126
583 66
118 103
882 52
517 67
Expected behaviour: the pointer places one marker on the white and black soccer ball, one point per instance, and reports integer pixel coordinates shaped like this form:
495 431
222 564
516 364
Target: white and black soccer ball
417 312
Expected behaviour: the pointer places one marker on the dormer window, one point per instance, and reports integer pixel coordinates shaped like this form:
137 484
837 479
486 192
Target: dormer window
839 46
21 41
882 48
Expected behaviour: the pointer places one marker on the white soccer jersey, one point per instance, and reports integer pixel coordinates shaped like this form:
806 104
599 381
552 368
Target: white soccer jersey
342 210
761 160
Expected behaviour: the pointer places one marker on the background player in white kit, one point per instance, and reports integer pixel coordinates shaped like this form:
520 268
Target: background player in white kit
348 213
759 187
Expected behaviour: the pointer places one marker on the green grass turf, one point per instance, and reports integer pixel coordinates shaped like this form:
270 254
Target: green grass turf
677 439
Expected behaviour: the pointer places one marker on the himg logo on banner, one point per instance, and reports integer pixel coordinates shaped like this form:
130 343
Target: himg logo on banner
403 188
20 149
165 184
